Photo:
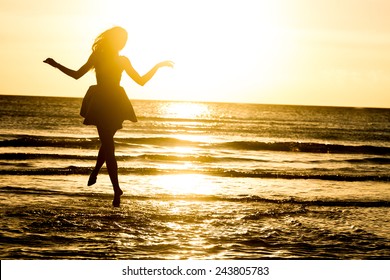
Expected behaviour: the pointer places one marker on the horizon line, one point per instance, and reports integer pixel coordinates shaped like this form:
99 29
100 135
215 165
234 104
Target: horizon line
199 101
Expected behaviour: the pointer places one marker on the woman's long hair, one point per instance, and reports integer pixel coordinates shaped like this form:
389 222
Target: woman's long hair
110 41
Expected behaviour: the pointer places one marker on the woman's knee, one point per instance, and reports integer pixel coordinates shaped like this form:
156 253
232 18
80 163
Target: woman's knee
106 136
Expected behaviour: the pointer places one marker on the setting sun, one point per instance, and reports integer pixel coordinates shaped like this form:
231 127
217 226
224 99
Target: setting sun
220 51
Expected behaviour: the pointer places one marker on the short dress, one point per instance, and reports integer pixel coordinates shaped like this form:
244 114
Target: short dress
107 107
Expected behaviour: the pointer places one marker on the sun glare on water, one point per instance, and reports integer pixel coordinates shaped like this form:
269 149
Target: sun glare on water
180 184
192 114
185 110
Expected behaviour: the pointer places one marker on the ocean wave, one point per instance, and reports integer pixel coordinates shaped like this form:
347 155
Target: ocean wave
32 156
306 174
148 157
180 158
365 160
46 141
304 147
375 160
93 143
206 198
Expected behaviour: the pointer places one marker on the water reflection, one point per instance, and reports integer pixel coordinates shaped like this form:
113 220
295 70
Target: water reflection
185 110
179 184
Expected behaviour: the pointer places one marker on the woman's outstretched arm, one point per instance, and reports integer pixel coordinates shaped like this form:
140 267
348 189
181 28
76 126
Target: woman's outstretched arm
76 74
142 80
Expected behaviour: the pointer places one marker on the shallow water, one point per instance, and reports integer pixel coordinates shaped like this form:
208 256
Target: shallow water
191 216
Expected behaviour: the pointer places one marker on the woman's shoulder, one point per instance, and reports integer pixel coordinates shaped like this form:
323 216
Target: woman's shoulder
93 56
125 62
124 59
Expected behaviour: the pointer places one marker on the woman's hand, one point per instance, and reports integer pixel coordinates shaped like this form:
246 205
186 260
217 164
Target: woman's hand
166 63
51 62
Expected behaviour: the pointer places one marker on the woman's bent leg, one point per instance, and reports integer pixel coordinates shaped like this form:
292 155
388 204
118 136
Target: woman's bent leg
99 163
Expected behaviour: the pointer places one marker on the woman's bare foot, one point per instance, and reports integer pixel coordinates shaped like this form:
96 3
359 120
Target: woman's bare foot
117 198
92 179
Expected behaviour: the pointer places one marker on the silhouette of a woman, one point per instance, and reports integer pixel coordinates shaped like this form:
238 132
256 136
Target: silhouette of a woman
106 104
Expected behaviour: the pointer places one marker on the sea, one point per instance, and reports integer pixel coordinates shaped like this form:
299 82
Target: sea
201 181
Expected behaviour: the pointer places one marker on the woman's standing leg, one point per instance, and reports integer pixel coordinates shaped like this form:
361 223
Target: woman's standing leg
107 140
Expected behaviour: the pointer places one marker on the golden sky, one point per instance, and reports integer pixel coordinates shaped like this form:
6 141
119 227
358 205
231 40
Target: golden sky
311 52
